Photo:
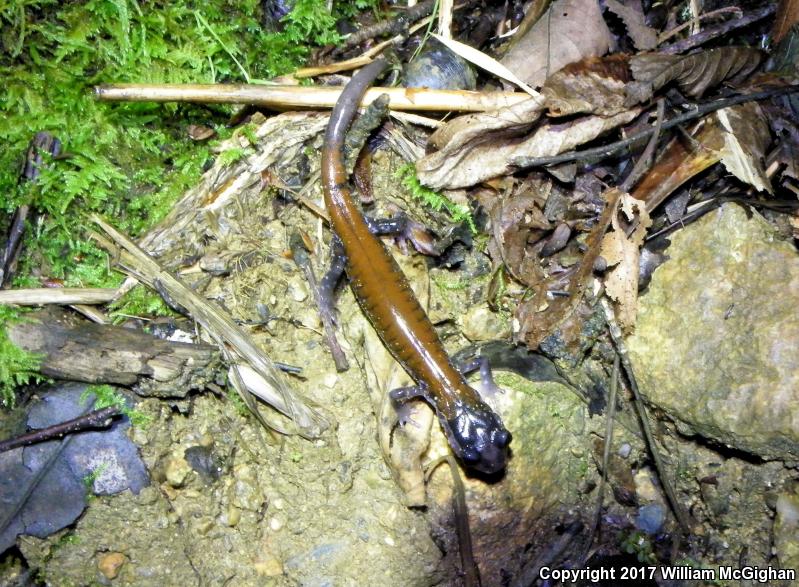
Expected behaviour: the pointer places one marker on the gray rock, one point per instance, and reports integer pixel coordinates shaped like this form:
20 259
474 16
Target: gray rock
717 335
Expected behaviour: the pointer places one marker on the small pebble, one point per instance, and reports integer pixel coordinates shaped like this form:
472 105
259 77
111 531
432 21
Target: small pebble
650 518
177 469
109 564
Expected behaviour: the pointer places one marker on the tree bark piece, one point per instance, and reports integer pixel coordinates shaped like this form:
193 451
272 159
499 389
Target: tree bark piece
97 353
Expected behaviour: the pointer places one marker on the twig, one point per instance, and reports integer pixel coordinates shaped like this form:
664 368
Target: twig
603 151
712 14
610 414
718 30
471 573
645 161
42 142
638 402
303 261
392 26
292 97
101 418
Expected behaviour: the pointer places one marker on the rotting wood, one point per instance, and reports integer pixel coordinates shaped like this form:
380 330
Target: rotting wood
96 353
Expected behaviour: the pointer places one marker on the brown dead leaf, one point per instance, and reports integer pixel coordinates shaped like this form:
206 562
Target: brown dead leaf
539 317
595 85
477 147
622 251
746 138
739 143
510 121
787 16
492 156
518 224
695 73
197 132
631 13
569 31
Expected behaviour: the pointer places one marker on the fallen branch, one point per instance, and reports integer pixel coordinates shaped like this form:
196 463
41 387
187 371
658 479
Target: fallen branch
101 418
718 30
59 295
95 353
293 97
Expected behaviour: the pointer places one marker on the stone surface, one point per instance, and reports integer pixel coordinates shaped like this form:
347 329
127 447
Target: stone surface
716 341
109 564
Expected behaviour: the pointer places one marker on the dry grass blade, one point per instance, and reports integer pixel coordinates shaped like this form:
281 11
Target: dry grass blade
309 422
483 61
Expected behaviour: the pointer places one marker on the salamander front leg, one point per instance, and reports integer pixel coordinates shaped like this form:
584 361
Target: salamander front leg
490 387
403 229
400 399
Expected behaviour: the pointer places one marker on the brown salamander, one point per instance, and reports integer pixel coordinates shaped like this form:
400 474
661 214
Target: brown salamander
475 433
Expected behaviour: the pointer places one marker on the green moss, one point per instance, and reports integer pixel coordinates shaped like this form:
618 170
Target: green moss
17 367
139 301
125 161
106 396
407 175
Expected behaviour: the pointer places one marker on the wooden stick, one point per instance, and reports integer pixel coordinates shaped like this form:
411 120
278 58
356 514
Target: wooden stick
293 97
57 295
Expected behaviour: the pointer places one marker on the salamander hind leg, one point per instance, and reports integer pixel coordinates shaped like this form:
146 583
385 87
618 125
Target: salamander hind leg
328 283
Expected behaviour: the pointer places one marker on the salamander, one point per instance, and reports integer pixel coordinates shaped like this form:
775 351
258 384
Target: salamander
475 432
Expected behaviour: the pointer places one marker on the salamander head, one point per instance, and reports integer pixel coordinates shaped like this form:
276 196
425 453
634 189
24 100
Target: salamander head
478 437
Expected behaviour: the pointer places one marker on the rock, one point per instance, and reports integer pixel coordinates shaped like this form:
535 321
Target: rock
481 324
786 530
717 332
650 518
109 564
177 469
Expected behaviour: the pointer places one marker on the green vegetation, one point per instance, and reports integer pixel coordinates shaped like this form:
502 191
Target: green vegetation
125 161
639 544
139 301
88 480
17 367
106 396
407 175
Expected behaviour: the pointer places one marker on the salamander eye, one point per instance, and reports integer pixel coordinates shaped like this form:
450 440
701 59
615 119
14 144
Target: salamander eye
470 456
503 438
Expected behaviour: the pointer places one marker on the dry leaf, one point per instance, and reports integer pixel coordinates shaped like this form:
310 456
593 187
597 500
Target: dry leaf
622 253
539 317
787 16
740 144
569 31
695 73
678 163
595 85
631 13
483 61
746 138
493 156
